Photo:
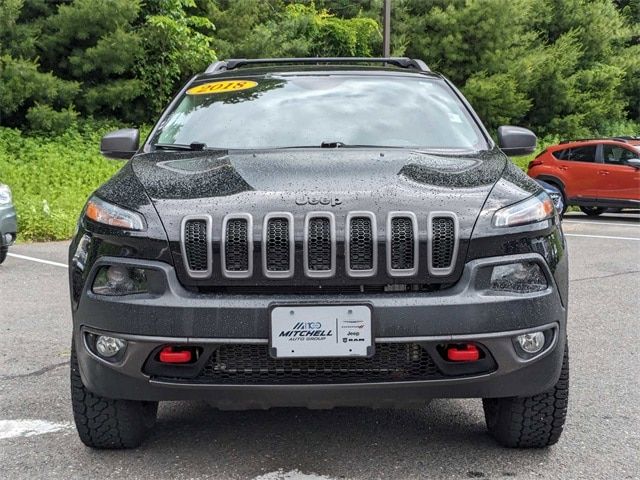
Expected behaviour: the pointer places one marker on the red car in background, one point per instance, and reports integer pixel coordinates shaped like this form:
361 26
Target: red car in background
594 174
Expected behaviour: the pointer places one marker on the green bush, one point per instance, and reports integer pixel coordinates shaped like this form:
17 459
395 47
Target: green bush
51 178
43 119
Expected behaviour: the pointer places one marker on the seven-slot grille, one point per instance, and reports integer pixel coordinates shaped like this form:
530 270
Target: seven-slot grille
196 245
319 256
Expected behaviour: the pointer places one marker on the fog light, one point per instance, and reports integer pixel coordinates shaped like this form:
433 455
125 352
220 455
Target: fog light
120 280
108 347
531 342
522 277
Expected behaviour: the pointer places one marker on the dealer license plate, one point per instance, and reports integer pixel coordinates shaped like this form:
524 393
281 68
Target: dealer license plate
321 331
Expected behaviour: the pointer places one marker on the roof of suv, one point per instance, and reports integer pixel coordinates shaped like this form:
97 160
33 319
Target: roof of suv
630 141
262 66
401 62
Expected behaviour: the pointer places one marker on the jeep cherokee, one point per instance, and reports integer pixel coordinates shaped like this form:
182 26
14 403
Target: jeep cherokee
319 232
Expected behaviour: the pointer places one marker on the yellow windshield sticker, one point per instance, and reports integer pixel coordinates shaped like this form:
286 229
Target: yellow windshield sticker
221 87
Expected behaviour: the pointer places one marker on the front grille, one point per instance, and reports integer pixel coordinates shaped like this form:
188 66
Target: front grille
443 242
243 364
277 244
236 248
402 244
358 230
360 243
319 249
195 243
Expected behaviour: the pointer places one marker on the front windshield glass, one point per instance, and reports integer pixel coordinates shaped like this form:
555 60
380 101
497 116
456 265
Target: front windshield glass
281 111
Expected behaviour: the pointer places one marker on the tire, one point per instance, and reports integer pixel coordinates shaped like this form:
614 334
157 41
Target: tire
107 423
593 211
3 253
530 422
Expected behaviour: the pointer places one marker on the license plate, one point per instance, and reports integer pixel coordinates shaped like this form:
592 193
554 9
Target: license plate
321 331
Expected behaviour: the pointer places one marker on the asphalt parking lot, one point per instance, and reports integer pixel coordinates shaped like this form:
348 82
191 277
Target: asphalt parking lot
446 439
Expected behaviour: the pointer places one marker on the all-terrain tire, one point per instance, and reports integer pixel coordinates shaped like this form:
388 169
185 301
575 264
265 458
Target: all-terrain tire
3 253
530 422
105 422
593 211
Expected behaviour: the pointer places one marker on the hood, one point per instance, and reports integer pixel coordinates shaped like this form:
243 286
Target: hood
383 175
299 181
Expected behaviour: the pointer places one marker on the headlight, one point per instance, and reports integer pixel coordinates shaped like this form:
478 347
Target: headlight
108 214
531 210
5 194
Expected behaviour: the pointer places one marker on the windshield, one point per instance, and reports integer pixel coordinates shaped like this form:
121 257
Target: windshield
311 111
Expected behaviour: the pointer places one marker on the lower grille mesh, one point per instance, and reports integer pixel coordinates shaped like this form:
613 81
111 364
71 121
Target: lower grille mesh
443 242
195 239
252 364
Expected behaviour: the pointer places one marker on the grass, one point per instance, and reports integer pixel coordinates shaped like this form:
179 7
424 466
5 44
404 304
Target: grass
51 178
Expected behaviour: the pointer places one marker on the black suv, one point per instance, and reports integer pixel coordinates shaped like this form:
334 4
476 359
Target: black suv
319 232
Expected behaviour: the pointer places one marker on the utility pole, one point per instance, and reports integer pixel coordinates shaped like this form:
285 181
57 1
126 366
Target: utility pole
386 29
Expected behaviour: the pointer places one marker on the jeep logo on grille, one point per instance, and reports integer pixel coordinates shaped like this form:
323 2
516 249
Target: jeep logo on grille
307 200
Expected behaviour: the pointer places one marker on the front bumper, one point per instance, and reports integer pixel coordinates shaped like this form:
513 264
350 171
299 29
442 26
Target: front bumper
8 225
465 312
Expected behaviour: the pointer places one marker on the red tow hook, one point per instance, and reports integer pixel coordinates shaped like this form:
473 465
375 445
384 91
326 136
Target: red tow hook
467 352
170 355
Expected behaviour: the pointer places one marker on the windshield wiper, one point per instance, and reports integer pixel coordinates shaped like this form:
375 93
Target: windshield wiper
336 145
194 146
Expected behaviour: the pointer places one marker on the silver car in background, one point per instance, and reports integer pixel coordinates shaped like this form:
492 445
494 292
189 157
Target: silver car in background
8 224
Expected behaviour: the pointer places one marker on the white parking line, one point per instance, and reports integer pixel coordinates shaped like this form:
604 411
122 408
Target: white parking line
280 474
29 428
601 236
587 222
31 259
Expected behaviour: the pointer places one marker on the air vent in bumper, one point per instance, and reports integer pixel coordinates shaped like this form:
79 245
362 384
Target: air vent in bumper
248 364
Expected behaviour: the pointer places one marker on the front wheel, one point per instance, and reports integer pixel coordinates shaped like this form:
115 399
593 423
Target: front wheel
530 422
107 423
3 253
592 211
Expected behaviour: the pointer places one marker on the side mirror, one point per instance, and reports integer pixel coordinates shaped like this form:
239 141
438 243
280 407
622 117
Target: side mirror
121 144
634 162
516 141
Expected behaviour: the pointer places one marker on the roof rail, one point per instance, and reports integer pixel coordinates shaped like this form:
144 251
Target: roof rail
402 62
623 139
